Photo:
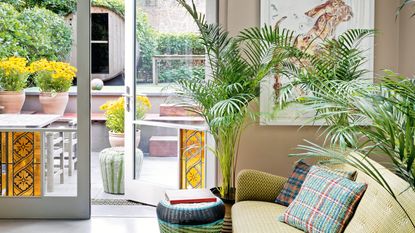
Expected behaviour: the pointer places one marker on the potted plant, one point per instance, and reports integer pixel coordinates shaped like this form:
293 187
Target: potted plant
237 65
13 79
115 112
54 80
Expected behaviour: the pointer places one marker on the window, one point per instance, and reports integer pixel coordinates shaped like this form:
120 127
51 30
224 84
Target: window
99 43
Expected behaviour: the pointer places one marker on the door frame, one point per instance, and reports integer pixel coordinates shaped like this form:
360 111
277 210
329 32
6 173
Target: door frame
150 193
76 207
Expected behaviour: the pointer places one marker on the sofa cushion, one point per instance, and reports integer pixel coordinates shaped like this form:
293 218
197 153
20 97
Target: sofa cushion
325 203
294 183
257 216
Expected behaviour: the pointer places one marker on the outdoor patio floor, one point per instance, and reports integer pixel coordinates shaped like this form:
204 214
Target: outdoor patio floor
159 170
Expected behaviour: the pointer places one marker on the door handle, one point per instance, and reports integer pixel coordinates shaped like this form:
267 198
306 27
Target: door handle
127 97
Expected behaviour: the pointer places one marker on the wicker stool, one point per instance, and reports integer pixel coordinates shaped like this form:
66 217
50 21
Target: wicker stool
183 218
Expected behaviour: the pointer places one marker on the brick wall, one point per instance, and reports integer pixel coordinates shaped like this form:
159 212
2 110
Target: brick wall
168 16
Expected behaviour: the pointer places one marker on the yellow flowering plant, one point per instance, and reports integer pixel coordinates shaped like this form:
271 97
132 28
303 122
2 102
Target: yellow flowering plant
13 74
115 112
52 76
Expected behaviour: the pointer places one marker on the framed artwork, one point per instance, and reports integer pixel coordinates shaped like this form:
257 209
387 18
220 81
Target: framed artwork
313 20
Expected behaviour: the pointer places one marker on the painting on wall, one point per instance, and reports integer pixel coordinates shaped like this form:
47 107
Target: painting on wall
313 21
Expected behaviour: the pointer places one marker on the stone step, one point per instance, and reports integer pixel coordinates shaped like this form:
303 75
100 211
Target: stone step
174 110
163 146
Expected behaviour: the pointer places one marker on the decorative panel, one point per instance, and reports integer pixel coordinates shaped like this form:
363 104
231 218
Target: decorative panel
192 159
20 164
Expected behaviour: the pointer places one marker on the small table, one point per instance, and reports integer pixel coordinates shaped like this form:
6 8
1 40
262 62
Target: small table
20 144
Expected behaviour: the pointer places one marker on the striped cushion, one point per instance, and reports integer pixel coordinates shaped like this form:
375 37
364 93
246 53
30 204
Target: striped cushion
293 185
325 203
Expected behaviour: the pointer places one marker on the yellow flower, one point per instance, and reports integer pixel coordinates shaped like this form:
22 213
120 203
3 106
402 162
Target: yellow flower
13 66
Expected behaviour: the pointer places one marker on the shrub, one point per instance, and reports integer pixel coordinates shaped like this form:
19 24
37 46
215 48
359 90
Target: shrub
117 6
48 36
173 73
34 33
183 43
11 32
61 7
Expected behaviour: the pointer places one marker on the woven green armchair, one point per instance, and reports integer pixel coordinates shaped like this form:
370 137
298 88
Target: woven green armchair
256 211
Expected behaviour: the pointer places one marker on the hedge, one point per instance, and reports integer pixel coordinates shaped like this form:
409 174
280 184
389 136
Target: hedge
33 33
61 7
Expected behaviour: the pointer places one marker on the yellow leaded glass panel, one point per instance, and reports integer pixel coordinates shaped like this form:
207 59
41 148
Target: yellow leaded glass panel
192 156
20 163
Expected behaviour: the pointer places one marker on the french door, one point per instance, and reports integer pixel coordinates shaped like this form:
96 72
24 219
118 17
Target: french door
45 171
173 151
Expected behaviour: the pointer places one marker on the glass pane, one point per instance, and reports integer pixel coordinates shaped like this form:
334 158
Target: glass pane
38 142
99 27
100 58
168 50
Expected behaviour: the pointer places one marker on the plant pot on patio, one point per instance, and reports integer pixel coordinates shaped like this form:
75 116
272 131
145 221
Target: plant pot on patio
118 139
54 103
12 101
112 168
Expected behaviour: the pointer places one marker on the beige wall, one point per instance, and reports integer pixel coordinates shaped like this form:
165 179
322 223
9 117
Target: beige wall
266 147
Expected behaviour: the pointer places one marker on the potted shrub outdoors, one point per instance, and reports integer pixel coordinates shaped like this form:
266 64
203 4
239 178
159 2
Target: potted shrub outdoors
13 79
237 65
115 112
54 80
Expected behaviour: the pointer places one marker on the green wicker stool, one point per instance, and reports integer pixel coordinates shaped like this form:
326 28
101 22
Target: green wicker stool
112 168
187 218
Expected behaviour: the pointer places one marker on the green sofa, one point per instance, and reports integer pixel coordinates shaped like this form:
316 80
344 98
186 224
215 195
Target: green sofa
256 212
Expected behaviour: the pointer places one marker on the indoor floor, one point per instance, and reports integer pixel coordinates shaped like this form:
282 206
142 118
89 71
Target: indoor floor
94 225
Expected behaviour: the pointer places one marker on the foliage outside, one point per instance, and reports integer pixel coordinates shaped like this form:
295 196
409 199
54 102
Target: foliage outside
51 76
33 33
13 74
60 7
115 113
238 64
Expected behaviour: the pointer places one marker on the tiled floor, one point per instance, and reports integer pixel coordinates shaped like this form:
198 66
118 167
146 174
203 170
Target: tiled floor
94 225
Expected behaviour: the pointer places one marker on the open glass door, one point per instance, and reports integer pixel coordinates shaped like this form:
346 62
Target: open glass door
45 153
161 47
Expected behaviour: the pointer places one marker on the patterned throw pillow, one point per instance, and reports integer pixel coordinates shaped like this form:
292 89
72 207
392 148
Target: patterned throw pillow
293 185
325 203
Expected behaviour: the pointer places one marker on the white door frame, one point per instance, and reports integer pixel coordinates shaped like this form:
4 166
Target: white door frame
134 189
78 207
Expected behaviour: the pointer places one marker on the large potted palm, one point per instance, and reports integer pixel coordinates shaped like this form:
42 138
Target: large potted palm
237 65
361 118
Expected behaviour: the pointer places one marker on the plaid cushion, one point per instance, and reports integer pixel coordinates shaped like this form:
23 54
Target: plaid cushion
325 203
293 185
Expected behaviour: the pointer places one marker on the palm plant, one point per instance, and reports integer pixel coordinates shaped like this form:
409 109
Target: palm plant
405 3
237 66
335 70
390 109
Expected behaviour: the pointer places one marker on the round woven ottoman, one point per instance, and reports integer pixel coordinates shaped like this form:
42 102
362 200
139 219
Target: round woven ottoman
186 218
112 168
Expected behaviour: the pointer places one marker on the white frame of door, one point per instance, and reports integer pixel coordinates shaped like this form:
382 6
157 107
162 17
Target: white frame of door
150 193
76 207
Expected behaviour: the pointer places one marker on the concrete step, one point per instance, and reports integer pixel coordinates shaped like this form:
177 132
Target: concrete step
163 146
174 110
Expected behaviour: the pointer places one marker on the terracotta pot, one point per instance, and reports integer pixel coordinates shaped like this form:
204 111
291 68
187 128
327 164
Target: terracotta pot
117 139
12 101
54 103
